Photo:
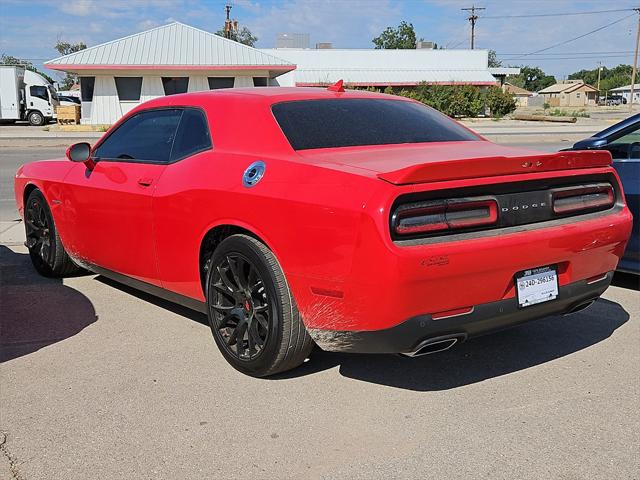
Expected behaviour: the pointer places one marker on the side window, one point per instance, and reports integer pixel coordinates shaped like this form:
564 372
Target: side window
173 85
627 146
39 91
86 88
129 88
193 135
147 136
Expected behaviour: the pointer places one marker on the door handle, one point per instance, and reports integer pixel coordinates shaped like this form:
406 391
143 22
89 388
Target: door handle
145 182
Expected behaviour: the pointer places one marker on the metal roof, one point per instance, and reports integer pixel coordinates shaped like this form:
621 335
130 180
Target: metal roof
172 46
567 87
386 67
626 88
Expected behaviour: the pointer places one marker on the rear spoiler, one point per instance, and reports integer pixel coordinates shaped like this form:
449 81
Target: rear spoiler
457 169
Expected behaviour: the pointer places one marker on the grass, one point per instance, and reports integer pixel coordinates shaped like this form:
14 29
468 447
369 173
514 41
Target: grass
556 112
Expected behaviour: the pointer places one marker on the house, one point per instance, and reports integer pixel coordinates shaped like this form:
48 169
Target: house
520 95
570 93
176 58
625 92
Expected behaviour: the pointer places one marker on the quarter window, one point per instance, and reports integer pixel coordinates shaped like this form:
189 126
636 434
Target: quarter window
193 135
147 136
129 88
173 85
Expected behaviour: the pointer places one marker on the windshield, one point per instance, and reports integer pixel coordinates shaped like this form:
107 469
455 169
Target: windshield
350 122
52 92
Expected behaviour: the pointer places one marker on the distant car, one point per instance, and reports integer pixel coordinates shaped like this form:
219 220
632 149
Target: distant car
359 221
614 100
623 141
67 100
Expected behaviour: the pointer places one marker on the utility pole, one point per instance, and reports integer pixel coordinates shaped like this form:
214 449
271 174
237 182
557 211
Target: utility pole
598 87
472 18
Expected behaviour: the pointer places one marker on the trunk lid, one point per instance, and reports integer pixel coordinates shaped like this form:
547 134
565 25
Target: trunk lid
434 162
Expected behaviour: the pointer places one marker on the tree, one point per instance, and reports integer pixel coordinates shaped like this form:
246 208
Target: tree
500 103
403 37
493 60
532 79
244 36
609 77
65 48
11 60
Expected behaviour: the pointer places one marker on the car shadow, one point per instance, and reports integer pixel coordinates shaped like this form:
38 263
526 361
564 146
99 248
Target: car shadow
165 304
478 359
35 311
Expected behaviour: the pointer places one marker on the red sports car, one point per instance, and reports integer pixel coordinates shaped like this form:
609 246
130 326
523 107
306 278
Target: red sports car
359 221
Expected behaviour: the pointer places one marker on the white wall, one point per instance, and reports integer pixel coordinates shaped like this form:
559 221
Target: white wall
106 107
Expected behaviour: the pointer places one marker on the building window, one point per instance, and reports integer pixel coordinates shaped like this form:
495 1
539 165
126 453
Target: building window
221 82
577 94
86 88
129 88
259 81
173 85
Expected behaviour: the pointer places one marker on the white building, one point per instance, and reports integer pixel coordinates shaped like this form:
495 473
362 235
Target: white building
176 58
382 68
625 92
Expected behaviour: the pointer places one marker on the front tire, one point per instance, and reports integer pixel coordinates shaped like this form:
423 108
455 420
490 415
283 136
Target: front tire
252 314
47 253
36 119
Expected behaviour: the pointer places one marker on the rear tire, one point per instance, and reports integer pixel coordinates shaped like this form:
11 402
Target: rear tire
47 254
252 314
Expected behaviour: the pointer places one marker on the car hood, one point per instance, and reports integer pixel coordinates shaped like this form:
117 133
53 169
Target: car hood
428 162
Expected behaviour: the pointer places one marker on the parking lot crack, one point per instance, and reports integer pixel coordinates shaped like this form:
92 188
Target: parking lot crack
8 457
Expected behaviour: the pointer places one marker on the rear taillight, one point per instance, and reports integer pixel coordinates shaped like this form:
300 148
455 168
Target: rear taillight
583 198
446 215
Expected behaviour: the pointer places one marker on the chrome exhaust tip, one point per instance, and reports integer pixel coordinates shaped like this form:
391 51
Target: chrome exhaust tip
434 345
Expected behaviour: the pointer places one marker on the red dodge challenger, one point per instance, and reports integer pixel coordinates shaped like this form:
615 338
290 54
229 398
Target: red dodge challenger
357 221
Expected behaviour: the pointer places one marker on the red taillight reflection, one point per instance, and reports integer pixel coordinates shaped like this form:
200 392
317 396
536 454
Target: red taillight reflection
445 215
583 198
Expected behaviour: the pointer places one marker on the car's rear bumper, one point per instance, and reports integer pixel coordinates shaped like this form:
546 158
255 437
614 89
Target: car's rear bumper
407 336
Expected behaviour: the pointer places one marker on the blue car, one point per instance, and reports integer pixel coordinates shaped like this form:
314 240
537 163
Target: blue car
623 141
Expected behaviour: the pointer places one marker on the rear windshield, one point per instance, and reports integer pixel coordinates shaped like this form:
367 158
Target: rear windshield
363 121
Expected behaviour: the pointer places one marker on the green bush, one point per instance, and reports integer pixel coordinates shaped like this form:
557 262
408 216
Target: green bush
500 103
455 101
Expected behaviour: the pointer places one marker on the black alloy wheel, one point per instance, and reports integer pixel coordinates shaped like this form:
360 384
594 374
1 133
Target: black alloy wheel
252 313
38 229
45 247
242 307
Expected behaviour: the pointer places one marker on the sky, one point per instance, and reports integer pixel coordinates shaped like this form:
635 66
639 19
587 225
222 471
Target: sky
29 28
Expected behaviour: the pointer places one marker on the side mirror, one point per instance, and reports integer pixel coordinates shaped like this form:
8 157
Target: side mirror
81 152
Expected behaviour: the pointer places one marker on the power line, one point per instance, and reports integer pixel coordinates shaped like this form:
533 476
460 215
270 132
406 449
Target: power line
576 38
533 15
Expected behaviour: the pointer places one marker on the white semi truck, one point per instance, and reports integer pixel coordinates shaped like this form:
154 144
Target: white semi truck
25 95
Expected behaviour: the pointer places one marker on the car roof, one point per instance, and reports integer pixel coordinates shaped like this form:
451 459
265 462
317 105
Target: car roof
268 95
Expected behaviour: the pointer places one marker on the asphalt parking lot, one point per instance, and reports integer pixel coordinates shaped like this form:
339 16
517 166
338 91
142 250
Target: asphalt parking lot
100 381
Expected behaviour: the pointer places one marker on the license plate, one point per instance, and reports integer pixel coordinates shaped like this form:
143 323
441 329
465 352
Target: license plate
537 285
